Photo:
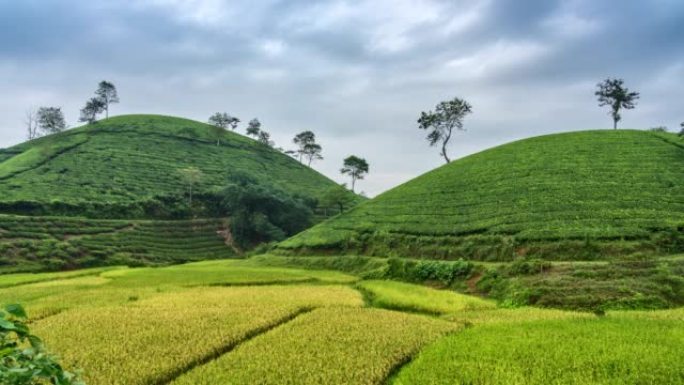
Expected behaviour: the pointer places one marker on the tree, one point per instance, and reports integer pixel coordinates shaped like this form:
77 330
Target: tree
265 138
611 92
191 177
107 94
308 148
441 123
355 167
254 127
681 132
221 121
92 108
31 122
313 152
336 196
51 120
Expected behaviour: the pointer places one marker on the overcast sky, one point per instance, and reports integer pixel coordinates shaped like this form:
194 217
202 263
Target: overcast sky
357 73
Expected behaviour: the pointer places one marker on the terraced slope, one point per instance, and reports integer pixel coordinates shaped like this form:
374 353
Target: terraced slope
111 165
56 243
580 195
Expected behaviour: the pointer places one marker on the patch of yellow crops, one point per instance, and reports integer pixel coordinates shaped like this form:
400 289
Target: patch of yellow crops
405 296
327 346
525 314
157 338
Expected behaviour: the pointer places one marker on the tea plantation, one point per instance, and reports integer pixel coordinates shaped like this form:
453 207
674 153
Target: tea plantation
112 193
574 196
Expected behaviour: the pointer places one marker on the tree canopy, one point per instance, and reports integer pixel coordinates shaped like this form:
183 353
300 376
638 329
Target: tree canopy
355 167
613 93
441 123
51 119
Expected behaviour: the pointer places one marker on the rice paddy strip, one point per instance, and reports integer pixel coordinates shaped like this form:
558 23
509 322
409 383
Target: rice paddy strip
327 346
29 278
404 296
607 351
146 342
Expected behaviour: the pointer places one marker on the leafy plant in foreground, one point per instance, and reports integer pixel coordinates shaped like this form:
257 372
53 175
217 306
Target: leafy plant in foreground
23 358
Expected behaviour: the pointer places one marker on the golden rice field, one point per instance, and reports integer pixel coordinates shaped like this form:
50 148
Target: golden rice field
239 322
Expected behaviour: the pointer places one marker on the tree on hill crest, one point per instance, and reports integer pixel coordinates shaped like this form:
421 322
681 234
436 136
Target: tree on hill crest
613 93
441 123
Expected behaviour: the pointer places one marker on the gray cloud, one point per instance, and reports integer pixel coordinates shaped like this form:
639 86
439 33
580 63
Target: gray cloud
356 72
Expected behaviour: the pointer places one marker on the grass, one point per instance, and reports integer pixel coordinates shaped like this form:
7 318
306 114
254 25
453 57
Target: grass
597 351
575 196
24 279
327 346
408 297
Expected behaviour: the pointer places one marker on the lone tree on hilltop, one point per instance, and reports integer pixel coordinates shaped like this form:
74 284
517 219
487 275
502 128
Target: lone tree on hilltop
613 93
307 146
51 120
93 107
356 168
441 123
107 94
221 121
191 177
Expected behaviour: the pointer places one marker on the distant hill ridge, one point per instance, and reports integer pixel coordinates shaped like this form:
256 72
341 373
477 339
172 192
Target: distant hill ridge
580 195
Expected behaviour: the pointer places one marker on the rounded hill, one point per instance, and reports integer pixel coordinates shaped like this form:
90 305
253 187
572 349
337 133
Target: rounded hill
578 195
125 160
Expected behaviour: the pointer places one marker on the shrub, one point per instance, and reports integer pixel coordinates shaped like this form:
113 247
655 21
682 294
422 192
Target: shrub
23 359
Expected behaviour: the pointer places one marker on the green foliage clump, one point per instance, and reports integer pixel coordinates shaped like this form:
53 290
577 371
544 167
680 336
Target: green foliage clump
23 358
443 272
262 213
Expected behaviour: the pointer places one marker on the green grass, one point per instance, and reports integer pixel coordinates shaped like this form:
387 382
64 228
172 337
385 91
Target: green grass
574 196
404 296
596 351
132 158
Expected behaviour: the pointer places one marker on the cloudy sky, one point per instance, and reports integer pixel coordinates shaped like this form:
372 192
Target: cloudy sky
357 73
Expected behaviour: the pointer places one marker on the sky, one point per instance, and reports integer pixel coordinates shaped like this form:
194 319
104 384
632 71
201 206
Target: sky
357 73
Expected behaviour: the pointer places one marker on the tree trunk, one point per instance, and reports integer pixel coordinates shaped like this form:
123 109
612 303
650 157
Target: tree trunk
353 183
444 145
106 111
614 124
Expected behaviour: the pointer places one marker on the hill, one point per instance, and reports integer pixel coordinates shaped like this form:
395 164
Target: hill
112 193
573 196
116 163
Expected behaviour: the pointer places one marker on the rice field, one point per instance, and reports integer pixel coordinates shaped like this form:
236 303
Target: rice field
250 322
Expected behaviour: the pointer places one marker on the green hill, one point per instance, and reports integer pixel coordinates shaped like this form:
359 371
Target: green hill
572 196
128 159
112 193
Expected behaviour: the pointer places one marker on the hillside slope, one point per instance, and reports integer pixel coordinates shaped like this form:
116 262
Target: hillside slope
134 158
579 195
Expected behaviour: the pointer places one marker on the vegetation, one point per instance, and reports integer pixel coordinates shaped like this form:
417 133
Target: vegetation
307 147
127 163
367 346
23 359
407 297
355 167
58 243
593 351
613 93
441 123
557 197
51 120
257 321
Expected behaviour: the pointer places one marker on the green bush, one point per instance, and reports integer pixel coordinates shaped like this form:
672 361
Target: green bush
23 358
